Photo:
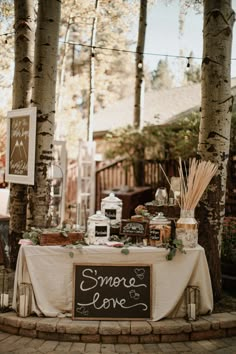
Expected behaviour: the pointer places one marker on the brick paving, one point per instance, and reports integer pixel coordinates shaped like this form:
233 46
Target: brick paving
10 343
215 333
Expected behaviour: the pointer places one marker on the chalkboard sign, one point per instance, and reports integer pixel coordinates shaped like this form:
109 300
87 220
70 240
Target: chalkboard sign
110 213
21 131
154 234
112 291
100 231
134 228
19 146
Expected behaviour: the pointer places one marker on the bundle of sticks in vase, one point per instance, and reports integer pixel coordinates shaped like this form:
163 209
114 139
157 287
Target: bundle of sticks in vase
195 183
192 186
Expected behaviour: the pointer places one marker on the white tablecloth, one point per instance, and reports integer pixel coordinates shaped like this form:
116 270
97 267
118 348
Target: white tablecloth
50 271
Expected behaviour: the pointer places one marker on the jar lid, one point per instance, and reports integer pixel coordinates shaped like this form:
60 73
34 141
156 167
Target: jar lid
98 216
112 199
160 219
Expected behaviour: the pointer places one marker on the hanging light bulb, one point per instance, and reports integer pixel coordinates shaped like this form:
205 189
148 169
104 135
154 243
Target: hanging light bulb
140 65
188 63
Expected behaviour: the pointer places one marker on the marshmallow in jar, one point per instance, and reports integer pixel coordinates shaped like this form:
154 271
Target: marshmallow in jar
98 228
111 207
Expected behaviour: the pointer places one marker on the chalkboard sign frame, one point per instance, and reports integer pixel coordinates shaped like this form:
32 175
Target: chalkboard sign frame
131 228
113 315
21 145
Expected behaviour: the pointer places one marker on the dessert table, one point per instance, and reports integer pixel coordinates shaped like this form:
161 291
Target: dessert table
50 271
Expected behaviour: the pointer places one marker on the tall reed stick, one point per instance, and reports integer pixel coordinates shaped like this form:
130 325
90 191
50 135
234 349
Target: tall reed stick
199 176
171 188
195 183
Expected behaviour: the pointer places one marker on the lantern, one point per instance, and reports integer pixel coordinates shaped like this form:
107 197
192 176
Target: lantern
4 293
24 300
192 302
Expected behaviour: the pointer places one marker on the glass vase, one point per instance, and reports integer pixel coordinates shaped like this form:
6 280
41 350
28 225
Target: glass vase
187 228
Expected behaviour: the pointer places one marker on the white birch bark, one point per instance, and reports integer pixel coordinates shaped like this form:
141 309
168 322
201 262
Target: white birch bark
214 135
22 86
91 78
44 93
139 82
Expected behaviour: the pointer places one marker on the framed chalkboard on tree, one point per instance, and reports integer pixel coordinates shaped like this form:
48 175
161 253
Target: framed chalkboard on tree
21 138
112 291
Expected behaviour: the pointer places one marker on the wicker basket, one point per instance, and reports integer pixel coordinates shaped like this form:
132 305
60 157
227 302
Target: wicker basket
57 239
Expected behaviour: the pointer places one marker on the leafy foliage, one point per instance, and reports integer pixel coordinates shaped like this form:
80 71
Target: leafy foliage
155 141
228 250
162 76
172 246
179 138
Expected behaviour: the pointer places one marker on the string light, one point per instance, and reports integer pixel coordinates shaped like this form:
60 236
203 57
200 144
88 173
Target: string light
6 34
126 50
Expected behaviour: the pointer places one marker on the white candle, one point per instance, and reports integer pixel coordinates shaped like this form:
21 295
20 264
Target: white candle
192 311
24 300
4 300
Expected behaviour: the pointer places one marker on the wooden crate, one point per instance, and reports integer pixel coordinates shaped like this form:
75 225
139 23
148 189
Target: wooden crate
57 238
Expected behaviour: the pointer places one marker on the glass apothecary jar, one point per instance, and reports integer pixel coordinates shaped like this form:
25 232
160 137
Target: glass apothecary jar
98 228
159 230
161 196
111 207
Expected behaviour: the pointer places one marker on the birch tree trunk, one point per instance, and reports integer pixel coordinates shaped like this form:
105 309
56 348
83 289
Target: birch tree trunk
22 86
92 70
43 97
214 134
61 76
138 164
139 82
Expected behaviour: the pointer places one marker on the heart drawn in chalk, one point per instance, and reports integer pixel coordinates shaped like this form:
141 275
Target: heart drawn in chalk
134 295
140 272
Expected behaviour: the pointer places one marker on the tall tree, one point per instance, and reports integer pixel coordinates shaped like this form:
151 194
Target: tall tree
43 97
214 134
22 85
139 83
114 74
162 76
91 77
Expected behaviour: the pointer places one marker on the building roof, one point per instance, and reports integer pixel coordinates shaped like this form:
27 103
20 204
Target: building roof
165 104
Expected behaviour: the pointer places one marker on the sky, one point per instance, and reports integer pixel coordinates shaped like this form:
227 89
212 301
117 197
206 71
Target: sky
162 36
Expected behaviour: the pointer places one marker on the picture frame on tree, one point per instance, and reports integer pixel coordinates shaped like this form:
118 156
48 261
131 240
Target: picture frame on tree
20 147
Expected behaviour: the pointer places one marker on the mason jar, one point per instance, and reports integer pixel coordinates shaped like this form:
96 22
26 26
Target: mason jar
161 196
111 207
159 230
98 228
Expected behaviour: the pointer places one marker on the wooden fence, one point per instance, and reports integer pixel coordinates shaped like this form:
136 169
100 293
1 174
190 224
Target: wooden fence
120 173
117 175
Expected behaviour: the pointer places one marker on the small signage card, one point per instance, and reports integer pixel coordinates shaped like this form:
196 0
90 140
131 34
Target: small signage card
108 291
155 234
110 213
100 230
134 228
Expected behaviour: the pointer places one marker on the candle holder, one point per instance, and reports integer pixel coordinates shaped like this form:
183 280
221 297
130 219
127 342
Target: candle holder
24 303
4 291
192 295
